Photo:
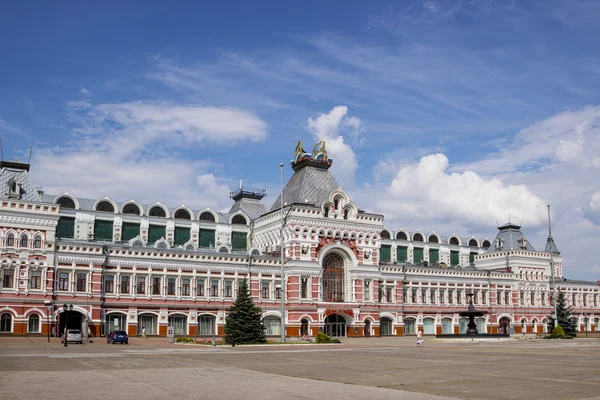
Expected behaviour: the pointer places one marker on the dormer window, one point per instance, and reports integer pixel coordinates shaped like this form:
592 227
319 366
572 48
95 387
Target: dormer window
499 244
346 213
336 204
14 189
326 212
523 243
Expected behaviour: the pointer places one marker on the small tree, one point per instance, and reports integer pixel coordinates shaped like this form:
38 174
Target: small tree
243 324
564 317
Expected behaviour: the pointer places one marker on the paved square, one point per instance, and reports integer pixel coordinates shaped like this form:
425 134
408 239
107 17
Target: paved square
375 368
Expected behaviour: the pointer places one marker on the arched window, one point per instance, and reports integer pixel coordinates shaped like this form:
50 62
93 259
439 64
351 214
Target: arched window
10 240
433 239
182 214
255 252
326 212
37 243
454 240
486 244
207 324
6 323
417 237
131 209
33 324
473 243
238 220
401 236
336 204
333 278
272 325
105 206
207 217
66 202
24 241
346 213
157 211
223 250
385 234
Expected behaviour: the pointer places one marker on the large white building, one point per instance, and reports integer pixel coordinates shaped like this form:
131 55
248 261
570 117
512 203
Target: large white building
127 265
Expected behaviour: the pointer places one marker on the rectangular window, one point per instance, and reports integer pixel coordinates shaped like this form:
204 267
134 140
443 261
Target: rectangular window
450 296
423 295
228 288
155 285
414 296
109 284
388 294
499 297
522 298
432 296
507 298
380 291
129 231
459 297
265 290
386 253
200 287
484 297
454 258
214 288
81 282
278 292
573 299
185 287
418 255
595 300
238 241
63 281
103 230
36 280
171 286
65 228
206 238
125 284
401 254
476 297
585 300
442 296
367 290
304 288
434 256
543 298
7 279
140 284
532 298
156 232
182 235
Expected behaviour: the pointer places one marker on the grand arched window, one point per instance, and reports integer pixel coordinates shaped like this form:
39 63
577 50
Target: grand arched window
131 209
157 212
66 202
207 217
333 278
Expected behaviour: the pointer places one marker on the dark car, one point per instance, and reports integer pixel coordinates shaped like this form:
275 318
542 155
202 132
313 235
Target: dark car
117 337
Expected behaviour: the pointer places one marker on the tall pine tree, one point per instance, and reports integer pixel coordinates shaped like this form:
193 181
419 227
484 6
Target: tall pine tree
563 315
243 324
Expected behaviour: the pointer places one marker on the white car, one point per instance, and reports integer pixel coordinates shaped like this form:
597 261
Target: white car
73 335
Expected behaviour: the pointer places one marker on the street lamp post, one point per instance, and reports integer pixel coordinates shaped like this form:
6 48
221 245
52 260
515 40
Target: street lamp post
585 321
282 290
66 309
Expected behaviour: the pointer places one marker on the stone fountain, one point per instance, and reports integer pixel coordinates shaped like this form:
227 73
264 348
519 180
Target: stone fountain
471 313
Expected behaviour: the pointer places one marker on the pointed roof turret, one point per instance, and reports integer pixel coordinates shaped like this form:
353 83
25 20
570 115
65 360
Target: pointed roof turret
551 247
510 237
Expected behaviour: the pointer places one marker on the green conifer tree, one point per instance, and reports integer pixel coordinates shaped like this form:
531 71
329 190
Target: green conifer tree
244 324
563 315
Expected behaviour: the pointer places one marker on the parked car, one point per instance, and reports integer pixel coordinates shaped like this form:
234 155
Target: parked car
73 335
117 337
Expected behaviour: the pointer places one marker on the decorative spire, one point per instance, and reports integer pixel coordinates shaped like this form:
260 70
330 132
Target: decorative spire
318 158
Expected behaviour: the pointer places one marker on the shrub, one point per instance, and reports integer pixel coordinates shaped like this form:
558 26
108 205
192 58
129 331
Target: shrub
558 333
323 338
184 340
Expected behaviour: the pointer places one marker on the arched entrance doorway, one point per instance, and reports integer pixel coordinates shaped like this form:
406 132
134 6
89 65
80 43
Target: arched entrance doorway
304 327
70 320
385 326
368 328
504 326
116 322
333 278
335 326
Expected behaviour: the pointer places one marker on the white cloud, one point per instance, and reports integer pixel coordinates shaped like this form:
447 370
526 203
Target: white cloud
591 208
83 90
426 191
131 150
327 127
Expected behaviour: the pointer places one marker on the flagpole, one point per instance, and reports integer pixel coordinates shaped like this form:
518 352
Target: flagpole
282 290
555 317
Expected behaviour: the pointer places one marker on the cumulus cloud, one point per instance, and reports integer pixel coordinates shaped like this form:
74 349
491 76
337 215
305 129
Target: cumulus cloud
83 90
427 191
329 127
131 150
591 208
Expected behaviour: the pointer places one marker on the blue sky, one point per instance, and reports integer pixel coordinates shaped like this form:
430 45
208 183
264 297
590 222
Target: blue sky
438 114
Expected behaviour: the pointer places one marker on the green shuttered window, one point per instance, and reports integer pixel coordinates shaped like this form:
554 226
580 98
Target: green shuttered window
386 253
472 257
238 241
434 256
182 235
419 257
66 227
454 258
155 232
103 230
130 230
402 254
207 238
